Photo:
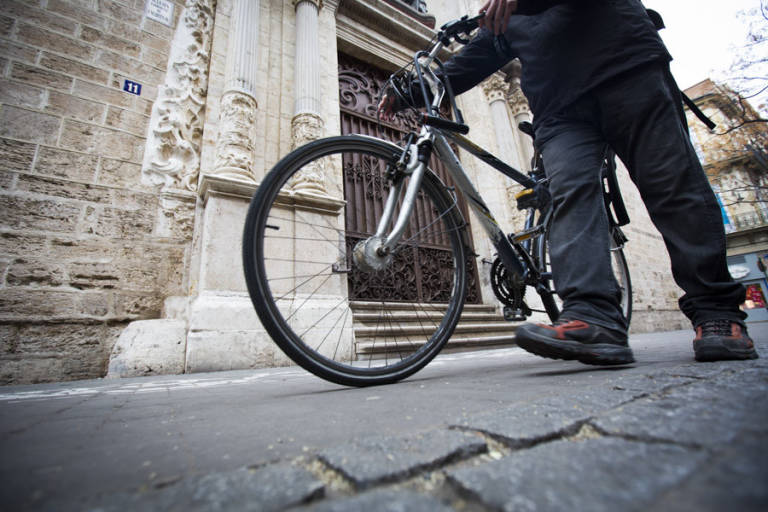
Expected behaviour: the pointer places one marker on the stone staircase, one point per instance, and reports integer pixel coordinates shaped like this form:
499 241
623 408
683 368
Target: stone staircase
480 327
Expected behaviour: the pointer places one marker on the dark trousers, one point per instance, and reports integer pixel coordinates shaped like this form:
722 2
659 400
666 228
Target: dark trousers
639 114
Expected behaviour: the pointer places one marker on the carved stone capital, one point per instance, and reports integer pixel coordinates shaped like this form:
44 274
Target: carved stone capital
333 5
318 3
235 145
306 127
172 156
517 101
495 88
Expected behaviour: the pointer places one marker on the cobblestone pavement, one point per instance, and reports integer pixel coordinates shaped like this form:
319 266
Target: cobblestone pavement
498 430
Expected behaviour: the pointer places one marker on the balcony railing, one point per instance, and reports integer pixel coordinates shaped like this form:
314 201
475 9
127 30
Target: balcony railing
749 220
416 5
416 9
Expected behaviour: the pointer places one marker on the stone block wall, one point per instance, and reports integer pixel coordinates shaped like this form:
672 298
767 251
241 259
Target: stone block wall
85 247
654 292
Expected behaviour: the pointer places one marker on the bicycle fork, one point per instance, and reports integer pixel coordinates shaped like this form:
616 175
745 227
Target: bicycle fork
376 252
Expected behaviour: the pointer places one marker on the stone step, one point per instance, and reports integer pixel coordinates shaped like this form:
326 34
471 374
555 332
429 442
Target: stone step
391 330
433 316
454 344
380 328
360 306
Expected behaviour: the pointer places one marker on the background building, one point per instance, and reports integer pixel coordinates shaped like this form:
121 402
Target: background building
133 133
735 158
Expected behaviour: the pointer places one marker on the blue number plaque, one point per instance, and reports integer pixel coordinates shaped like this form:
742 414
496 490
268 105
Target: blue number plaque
132 87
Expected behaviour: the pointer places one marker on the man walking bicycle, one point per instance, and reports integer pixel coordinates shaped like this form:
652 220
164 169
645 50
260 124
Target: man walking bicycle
596 74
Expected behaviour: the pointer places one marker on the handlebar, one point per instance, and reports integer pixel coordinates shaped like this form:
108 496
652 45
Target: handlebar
457 28
420 71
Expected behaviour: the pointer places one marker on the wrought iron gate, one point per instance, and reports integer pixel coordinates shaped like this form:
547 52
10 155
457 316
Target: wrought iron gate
420 273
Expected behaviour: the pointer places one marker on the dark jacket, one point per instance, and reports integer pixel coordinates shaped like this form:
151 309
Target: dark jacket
566 49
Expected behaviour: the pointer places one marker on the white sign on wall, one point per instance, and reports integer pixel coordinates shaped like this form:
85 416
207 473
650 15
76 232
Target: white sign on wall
160 11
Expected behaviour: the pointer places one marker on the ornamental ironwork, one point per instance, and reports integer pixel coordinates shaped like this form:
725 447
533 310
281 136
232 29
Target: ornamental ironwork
422 269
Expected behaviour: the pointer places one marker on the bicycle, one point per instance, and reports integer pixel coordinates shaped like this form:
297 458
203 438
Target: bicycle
298 256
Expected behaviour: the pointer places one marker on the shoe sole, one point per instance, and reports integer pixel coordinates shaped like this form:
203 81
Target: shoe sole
711 351
601 354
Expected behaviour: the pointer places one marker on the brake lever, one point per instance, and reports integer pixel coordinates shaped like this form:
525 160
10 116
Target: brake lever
460 39
453 23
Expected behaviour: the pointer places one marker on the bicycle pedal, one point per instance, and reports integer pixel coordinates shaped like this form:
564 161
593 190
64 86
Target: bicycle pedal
528 233
514 315
523 193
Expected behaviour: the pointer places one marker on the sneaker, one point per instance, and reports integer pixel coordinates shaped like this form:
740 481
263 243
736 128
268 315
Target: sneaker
576 340
722 340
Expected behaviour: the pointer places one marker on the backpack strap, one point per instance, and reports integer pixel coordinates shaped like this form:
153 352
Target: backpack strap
697 111
658 22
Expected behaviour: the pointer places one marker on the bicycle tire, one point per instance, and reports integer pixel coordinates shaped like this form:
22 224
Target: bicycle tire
276 304
618 262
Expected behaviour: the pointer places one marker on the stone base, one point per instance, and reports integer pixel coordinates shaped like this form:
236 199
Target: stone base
225 334
658 320
149 347
210 351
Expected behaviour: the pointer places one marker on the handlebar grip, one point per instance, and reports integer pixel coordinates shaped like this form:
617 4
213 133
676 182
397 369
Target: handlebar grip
454 29
444 124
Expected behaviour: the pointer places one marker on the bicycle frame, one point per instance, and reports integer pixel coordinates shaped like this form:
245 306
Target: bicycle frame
432 137
503 245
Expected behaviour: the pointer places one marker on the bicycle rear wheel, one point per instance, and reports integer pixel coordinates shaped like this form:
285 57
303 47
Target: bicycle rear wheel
300 266
618 264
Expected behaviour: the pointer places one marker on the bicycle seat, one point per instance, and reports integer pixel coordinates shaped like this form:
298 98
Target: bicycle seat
527 128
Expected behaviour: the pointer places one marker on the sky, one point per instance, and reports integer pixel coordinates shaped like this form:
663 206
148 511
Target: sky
702 36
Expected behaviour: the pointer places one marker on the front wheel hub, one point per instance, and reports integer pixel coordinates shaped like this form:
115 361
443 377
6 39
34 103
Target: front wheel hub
367 255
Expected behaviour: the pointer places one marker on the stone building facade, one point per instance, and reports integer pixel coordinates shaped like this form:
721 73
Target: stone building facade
734 155
123 207
735 158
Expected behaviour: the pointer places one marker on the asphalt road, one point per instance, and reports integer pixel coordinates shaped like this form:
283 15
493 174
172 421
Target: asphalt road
493 430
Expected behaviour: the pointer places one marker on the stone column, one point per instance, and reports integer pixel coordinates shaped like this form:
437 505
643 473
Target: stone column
521 111
237 125
224 332
307 123
317 189
307 57
517 105
496 184
495 89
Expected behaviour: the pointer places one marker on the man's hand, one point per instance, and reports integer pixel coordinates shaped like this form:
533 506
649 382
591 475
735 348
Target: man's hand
497 13
386 108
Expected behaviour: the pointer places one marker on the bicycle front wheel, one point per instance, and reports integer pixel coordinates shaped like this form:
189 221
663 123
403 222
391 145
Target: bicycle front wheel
618 265
329 310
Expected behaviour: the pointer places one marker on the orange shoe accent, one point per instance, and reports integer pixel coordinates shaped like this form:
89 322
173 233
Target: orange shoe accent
560 330
736 333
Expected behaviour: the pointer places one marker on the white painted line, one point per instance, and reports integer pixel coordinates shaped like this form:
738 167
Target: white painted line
154 386
143 387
